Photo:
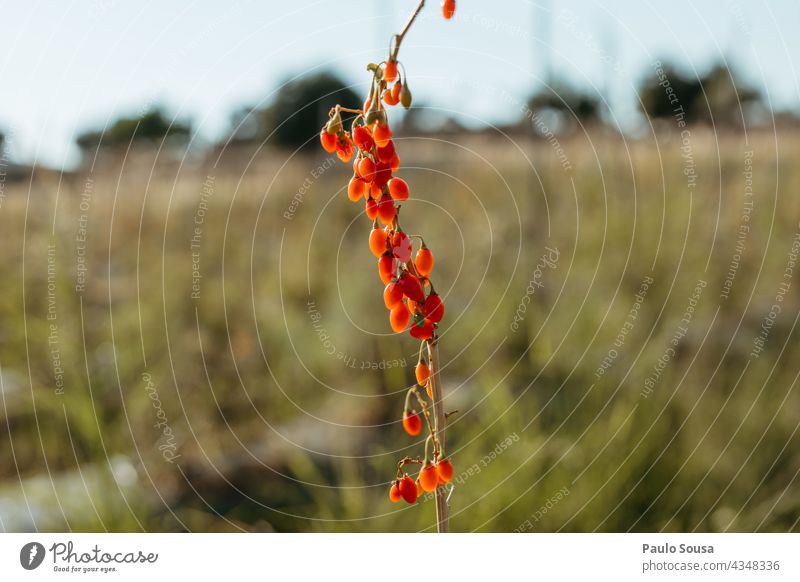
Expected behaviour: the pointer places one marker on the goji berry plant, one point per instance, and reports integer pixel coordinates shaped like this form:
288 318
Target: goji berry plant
408 294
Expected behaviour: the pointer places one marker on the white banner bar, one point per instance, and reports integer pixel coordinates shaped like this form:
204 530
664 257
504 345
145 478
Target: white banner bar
356 557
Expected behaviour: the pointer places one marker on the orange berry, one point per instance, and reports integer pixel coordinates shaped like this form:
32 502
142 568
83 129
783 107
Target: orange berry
366 169
448 8
328 141
386 209
388 98
356 189
394 492
381 134
395 163
412 423
344 147
412 306
408 489
420 490
399 318
428 390
398 188
392 296
445 470
422 372
428 477
424 261
377 241
396 88
390 71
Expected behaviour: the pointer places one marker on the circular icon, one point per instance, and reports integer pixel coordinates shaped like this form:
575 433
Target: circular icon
31 555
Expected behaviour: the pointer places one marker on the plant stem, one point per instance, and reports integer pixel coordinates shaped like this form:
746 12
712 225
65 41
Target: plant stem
442 511
399 37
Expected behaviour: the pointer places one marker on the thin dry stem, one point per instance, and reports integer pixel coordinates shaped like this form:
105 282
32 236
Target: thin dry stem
442 510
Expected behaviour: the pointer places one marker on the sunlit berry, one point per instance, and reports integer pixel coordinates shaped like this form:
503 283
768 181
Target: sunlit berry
428 477
394 492
381 134
390 71
366 169
412 423
386 209
328 141
422 372
398 188
445 470
383 173
377 241
428 390
399 318
424 261
356 189
392 295
389 98
395 163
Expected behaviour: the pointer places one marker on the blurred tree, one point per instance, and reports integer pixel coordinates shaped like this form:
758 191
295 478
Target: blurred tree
152 126
297 112
560 108
716 96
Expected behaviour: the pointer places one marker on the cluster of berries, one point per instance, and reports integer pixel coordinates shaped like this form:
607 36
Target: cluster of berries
375 160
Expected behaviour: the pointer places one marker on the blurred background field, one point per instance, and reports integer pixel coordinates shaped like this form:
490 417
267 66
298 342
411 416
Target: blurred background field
193 336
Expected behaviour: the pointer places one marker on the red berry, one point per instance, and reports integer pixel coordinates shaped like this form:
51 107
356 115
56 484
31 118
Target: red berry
392 296
408 489
433 308
371 208
399 317
395 163
328 141
389 98
411 287
383 173
448 8
387 265
386 153
422 330
386 209
424 261
422 373
401 246
412 422
363 139
428 477
445 470
356 189
377 241
398 188
394 492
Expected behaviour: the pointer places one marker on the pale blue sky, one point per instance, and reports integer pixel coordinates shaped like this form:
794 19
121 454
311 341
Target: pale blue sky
67 66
